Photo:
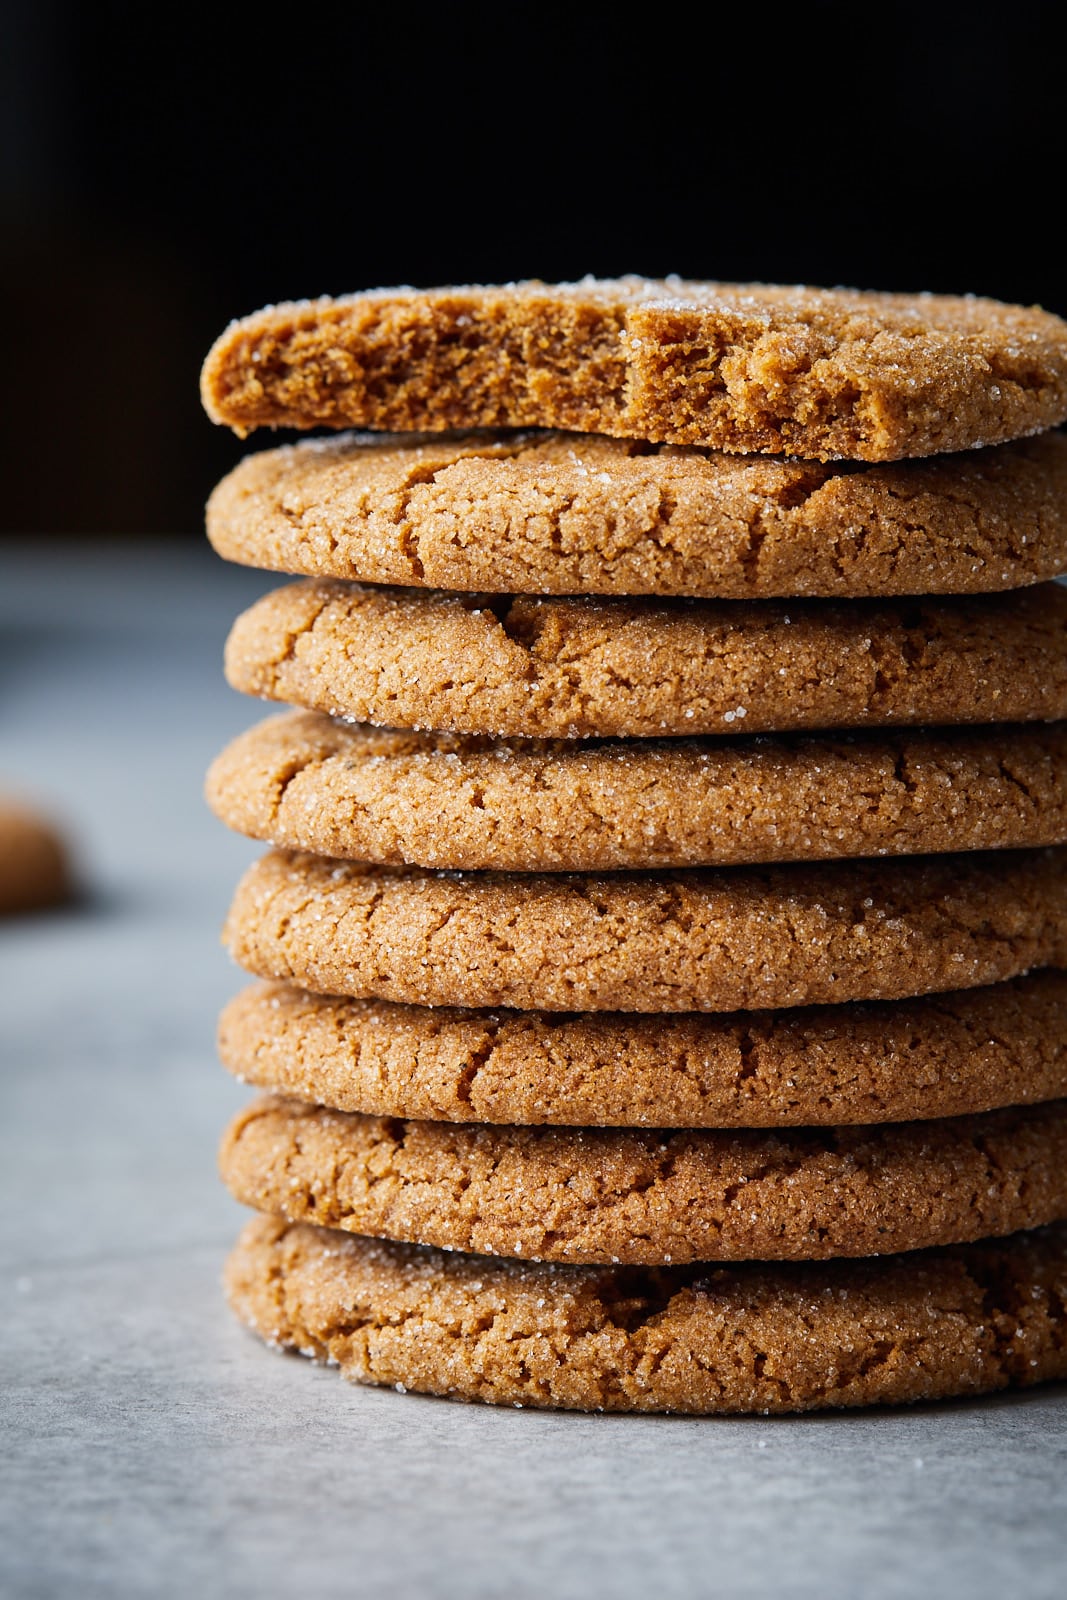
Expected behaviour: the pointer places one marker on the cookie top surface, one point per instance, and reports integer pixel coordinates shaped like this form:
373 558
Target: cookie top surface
940 1056
569 513
34 862
750 368
310 782
732 938
750 1338
649 1198
566 668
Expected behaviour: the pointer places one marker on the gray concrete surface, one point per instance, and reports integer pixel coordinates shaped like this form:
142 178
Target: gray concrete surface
150 1446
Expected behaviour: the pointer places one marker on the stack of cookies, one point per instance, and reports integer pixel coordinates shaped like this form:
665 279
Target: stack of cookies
658 1001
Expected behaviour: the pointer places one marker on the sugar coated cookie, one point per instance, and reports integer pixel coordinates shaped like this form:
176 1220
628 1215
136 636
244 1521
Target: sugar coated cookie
451 800
572 513
940 1056
715 940
652 1197
749 1338
565 668
819 373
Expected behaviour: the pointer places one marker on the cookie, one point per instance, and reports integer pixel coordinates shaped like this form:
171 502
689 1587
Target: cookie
750 1338
651 1197
565 668
459 801
732 938
818 373
34 866
939 1056
572 513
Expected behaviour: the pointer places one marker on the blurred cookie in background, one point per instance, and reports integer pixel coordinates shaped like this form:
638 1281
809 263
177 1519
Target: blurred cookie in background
35 866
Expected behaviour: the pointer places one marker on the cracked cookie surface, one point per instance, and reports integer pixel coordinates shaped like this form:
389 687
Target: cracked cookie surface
650 1197
309 782
747 368
750 1338
572 668
940 1056
570 513
715 940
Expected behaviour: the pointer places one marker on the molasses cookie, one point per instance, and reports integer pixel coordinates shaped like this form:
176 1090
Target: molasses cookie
818 373
566 668
942 1055
702 1339
644 1197
572 513
34 866
725 939
309 782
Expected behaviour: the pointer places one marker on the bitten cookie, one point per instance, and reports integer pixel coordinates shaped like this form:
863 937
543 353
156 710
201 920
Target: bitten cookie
819 373
646 1198
572 513
34 866
940 1056
458 801
732 938
749 1338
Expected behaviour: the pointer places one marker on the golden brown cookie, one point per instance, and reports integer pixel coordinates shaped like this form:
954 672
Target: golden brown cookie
787 1337
652 1197
716 940
819 373
564 668
34 867
451 800
572 513
939 1056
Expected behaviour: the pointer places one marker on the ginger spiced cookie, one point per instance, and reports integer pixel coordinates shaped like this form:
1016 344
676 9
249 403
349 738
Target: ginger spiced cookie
571 513
309 782
648 1197
566 668
943 1055
746 368
34 865
702 1339
724 939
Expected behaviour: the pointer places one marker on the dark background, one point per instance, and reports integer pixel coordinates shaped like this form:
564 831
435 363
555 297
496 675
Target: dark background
164 170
